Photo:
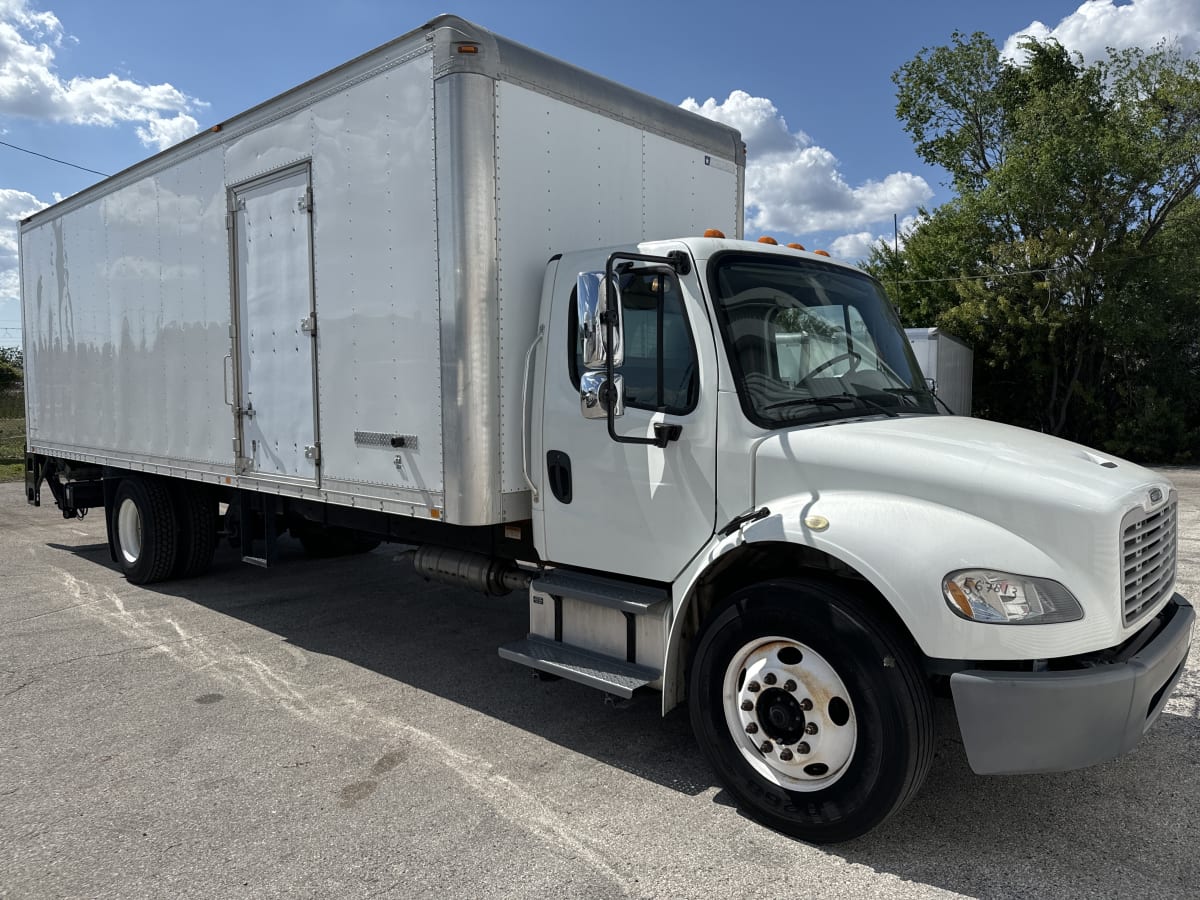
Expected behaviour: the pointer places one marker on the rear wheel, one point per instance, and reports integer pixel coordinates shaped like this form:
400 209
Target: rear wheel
144 529
196 513
813 712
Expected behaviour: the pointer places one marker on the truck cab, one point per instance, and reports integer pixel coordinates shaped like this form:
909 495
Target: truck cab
810 544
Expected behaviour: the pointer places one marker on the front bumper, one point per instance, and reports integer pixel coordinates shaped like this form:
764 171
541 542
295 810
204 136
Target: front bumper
1052 721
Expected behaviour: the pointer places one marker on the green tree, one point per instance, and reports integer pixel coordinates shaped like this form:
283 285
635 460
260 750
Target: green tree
1069 255
11 364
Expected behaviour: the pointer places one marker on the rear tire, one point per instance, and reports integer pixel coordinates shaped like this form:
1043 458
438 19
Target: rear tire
811 709
145 530
196 513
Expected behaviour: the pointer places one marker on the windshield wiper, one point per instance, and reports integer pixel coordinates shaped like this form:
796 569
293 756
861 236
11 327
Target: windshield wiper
915 392
833 399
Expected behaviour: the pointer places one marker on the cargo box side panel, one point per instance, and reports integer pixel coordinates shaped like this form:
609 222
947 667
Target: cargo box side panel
687 191
128 321
375 230
571 178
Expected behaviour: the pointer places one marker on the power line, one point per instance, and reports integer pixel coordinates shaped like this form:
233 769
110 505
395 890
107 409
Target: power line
53 159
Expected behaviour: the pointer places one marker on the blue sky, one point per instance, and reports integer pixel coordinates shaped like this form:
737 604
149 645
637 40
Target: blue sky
104 84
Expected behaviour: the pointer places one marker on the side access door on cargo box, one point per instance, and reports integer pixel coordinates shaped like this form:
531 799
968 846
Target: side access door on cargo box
274 327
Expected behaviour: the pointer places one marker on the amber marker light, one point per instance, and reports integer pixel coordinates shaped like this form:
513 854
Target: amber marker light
714 232
820 253
767 239
796 246
468 48
960 599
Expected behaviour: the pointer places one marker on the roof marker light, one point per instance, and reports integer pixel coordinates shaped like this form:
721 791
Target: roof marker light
796 246
714 233
820 253
767 239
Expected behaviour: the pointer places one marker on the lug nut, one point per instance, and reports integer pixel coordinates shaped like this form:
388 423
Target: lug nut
810 728
802 747
752 728
806 704
747 705
754 687
770 678
785 755
789 685
767 747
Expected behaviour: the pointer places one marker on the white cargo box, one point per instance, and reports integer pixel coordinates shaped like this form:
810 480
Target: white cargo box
332 295
948 361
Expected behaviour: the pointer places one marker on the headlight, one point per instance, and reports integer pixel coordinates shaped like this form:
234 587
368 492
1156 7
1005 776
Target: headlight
982 595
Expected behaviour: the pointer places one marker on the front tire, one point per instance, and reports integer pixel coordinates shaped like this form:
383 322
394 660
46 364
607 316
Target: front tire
145 530
812 711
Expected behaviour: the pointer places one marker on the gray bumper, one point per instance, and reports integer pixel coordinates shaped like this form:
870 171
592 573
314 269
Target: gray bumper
1052 721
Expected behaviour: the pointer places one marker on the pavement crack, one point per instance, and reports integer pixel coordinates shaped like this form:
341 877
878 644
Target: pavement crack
40 615
122 652
17 689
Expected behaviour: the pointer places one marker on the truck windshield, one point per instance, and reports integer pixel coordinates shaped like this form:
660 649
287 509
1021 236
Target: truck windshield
810 341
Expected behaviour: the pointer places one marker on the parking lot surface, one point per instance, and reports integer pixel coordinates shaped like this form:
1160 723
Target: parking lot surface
341 728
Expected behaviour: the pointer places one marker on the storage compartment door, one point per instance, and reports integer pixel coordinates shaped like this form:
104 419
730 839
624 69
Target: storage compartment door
277 407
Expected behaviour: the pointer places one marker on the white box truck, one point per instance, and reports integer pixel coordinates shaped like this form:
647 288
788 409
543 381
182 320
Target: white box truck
949 362
459 295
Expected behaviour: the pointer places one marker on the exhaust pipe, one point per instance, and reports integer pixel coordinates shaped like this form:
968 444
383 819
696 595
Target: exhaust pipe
472 570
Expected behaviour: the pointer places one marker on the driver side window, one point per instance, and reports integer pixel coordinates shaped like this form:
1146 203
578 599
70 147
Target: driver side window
651 305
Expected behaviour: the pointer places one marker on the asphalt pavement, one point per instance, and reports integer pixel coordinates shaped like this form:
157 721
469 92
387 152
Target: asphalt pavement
341 728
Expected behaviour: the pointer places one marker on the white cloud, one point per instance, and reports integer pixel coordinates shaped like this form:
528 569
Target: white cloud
30 86
14 205
1099 24
857 246
794 186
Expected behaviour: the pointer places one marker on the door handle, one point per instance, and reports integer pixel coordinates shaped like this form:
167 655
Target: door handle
558 473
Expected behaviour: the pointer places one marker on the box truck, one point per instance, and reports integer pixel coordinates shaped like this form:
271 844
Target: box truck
947 362
458 295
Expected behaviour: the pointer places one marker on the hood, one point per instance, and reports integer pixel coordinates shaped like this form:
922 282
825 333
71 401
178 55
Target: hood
1034 485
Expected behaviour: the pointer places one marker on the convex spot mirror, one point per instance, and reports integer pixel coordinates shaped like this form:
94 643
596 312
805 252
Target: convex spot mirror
594 296
596 395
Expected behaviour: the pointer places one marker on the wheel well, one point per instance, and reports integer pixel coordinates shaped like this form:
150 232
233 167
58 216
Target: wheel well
750 564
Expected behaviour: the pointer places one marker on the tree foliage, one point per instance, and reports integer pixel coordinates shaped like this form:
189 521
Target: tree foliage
11 364
1070 255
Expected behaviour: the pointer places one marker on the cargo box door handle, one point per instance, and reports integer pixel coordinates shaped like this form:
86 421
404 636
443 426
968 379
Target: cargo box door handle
226 368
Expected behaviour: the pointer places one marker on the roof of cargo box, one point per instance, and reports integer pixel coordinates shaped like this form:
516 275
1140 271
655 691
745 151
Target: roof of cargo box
495 57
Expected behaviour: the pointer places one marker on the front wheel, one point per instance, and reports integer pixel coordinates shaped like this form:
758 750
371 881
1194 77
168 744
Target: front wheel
813 713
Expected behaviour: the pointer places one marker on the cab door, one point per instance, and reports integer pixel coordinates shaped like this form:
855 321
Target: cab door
634 509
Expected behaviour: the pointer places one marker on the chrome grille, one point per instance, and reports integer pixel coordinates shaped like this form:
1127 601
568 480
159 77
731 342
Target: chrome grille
1149 546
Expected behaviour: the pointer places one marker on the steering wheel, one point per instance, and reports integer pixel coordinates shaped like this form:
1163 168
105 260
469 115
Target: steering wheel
849 354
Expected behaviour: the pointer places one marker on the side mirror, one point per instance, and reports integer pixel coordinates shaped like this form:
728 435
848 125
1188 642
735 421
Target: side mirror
931 384
596 395
596 295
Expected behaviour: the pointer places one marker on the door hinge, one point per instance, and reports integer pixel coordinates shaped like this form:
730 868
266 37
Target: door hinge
313 452
305 203
308 325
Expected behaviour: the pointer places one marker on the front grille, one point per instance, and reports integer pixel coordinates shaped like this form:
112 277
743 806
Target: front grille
1149 547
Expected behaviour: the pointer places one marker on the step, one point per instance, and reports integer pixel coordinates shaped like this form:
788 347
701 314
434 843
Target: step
616 676
635 598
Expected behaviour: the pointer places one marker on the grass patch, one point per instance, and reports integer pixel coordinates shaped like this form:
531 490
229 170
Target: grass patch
12 449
